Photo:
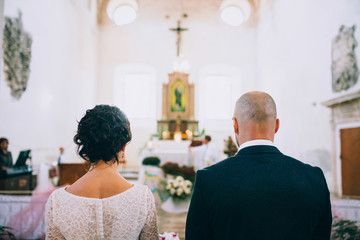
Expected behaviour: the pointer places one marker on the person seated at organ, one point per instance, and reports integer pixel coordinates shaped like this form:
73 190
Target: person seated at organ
6 160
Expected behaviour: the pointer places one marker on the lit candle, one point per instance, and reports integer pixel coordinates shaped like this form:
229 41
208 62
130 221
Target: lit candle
177 136
165 135
189 134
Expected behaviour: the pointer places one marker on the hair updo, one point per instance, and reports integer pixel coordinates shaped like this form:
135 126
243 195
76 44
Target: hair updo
102 133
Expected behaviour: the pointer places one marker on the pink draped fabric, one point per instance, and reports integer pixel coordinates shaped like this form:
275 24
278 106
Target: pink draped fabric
25 222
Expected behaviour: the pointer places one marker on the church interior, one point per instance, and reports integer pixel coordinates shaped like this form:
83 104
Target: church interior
176 69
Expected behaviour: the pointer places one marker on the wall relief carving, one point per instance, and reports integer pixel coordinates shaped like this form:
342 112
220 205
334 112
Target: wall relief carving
17 55
344 63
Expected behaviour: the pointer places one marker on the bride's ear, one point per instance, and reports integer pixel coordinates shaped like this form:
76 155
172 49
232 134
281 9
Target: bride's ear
123 149
120 154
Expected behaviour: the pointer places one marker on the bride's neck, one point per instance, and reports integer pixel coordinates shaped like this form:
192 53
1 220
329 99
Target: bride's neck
102 166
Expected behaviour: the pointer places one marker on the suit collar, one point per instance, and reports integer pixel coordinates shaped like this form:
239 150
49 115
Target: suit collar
258 149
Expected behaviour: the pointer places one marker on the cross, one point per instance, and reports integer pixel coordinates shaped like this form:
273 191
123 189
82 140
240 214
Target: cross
178 30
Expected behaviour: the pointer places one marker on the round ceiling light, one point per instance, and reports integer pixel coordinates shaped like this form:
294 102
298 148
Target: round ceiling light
122 12
235 12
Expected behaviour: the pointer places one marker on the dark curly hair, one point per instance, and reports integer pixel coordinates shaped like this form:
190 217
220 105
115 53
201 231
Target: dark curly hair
102 133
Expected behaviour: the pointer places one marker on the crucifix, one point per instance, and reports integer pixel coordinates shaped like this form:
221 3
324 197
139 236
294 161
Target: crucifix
179 29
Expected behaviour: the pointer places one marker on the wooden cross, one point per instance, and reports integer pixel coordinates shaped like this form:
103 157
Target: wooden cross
179 29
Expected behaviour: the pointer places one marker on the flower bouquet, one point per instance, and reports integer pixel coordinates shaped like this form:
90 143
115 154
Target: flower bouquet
179 188
169 236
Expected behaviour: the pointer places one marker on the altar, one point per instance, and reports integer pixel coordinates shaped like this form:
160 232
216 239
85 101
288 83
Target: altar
177 127
168 151
177 121
176 131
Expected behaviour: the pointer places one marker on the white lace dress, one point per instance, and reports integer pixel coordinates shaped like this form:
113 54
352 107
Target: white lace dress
129 215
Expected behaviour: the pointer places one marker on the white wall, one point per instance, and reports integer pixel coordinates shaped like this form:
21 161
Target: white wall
62 82
208 42
215 102
294 65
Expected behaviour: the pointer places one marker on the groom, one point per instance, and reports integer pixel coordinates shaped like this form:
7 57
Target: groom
259 193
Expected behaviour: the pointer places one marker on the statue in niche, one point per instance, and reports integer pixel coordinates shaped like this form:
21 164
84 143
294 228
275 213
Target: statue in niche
344 64
17 55
178 96
178 108
178 93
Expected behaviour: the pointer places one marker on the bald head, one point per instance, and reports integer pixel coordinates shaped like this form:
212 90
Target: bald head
255 117
255 106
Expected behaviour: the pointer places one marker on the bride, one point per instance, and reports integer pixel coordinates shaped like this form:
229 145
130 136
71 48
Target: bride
102 204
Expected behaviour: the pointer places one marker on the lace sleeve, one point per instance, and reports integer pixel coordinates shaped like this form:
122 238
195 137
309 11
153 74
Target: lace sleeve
150 230
52 232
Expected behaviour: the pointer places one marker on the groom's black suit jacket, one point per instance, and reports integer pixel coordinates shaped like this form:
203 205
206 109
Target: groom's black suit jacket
259 194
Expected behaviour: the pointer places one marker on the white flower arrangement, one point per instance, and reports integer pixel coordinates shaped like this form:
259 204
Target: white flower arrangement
169 236
179 188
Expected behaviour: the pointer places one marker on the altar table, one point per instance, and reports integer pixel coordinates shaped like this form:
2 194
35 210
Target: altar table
168 151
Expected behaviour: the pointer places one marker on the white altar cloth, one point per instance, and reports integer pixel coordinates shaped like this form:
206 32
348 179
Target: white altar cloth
170 145
168 151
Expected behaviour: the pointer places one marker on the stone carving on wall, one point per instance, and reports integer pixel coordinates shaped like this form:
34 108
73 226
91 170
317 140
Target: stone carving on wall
17 55
344 64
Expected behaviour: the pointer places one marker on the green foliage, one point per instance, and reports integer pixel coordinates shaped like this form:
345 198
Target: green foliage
200 134
151 161
344 230
5 232
155 135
